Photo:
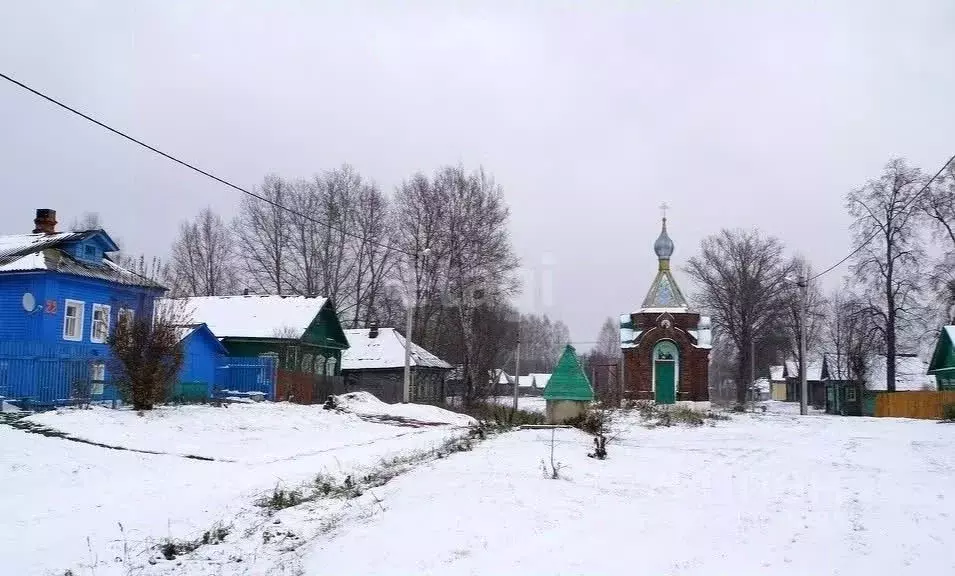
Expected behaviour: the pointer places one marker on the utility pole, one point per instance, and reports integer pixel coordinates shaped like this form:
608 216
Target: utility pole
409 325
517 365
803 385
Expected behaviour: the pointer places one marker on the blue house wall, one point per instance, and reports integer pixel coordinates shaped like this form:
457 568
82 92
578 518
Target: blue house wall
51 291
202 355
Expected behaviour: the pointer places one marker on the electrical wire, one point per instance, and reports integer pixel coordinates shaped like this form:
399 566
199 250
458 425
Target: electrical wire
200 170
876 233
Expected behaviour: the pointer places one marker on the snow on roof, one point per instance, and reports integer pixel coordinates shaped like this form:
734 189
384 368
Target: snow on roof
19 244
387 350
37 252
252 316
540 379
761 384
499 376
910 374
813 369
776 373
35 261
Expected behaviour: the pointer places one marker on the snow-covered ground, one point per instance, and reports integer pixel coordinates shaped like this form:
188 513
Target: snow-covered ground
528 403
764 493
66 505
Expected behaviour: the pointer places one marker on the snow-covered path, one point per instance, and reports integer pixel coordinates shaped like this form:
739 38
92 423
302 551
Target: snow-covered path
762 494
66 504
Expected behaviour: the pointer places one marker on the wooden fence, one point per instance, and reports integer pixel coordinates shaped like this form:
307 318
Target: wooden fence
306 388
926 405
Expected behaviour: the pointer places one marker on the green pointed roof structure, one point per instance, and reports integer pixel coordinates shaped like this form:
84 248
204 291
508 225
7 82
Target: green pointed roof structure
568 382
664 293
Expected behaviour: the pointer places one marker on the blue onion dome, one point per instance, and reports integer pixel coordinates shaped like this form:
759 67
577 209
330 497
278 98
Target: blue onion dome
663 246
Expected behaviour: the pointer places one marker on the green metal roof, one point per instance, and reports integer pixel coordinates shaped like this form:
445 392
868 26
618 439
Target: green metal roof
944 356
568 382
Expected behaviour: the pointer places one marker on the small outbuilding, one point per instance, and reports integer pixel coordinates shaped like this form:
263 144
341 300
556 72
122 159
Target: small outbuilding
568 393
375 363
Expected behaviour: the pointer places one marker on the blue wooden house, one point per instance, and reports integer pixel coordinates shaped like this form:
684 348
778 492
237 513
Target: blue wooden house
209 371
61 296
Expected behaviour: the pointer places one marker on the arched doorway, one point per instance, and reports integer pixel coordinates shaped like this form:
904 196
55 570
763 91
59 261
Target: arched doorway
666 369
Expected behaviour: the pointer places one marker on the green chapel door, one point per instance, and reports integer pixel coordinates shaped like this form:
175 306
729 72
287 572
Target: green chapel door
665 358
665 373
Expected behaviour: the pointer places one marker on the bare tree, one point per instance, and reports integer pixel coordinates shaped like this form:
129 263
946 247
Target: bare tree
88 221
203 257
851 335
373 261
263 231
792 318
147 356
742 278
938 205
608 340
887 261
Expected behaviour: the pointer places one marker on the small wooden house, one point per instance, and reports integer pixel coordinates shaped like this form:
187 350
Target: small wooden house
300 334
375 363
942 365
814 382
778 382
202 355
568 393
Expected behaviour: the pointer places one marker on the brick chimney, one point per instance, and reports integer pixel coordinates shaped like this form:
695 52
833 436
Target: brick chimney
373 329
45 221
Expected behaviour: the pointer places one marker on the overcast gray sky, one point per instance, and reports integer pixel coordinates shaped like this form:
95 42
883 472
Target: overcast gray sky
755 114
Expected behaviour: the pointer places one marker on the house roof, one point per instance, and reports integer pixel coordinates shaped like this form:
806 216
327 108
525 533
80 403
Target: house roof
253 316
183 332
776 373
387 350
540 379
762 384
568 381
629 336
943 358
45 252
499 376
813 369
910 373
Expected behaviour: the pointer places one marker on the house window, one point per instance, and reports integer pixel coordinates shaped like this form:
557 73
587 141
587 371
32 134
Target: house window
306 363
850 394
73 320
89 251
331 366
125 316
97 377
291 357
99 327
320 365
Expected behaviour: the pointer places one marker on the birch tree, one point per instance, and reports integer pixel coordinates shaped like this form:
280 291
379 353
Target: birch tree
887 262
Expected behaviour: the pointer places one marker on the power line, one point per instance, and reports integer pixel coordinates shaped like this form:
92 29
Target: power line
199 170
876 233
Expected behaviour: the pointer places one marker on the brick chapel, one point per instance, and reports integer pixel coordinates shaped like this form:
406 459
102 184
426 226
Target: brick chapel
666 345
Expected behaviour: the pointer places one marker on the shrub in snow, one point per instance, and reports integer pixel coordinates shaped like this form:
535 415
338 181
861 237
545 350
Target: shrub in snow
497 415
948 412
147 356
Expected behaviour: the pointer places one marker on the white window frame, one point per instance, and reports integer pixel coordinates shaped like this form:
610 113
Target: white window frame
125 312
106 311
851 390
78 336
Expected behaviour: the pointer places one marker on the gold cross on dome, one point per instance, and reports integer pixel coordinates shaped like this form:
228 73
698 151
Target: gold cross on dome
663 208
